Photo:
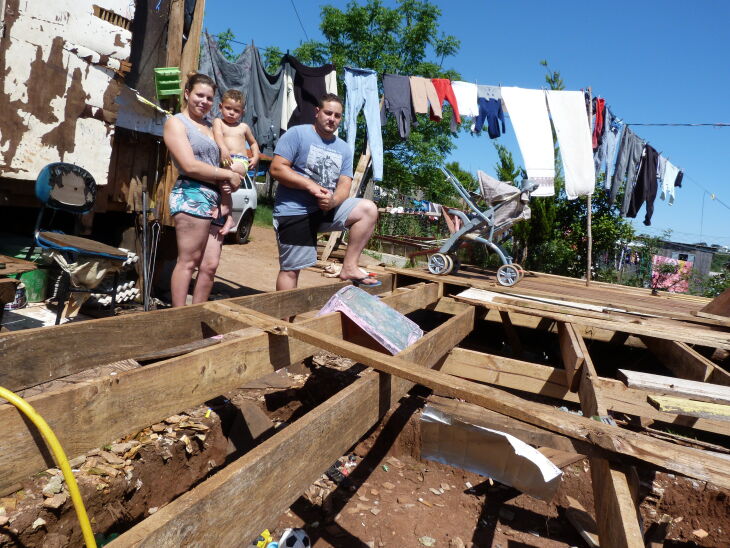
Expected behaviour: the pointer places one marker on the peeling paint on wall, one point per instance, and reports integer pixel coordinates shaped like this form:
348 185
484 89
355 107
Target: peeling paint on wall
58 84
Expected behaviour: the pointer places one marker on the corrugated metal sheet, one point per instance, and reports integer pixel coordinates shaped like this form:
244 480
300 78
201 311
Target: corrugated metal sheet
59 62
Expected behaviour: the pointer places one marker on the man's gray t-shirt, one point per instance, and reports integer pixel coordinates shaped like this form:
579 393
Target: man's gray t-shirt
320 160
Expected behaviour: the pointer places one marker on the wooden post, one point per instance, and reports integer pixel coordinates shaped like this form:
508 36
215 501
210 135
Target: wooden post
589 203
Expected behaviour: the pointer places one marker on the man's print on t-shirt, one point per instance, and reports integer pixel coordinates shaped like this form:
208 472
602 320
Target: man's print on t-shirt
323 166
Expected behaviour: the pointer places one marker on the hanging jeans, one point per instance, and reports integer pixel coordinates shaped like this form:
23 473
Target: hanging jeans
627 165
362 89
645 188
607 149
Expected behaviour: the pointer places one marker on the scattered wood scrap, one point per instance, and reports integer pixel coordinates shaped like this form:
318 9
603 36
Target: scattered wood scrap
691 408
700 391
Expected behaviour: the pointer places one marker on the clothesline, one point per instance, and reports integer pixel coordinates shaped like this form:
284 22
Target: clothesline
714 124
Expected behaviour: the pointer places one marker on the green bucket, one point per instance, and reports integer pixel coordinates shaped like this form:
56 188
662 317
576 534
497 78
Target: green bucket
35 281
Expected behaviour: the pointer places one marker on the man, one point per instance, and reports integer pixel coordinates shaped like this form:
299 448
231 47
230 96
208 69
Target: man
314 170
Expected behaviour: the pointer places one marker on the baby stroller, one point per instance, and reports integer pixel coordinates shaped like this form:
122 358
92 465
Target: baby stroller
507 204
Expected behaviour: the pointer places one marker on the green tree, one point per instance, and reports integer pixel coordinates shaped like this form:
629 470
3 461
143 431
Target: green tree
401 40
225 40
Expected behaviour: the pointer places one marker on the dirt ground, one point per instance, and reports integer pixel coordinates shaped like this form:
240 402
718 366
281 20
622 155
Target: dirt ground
384 496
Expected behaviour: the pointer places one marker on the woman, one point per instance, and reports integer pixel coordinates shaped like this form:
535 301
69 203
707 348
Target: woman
195 198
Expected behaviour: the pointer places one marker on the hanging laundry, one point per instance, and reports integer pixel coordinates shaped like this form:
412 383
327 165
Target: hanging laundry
444 91
424 94
226 74
661 168
567 109
490 110
606 151
627 165
645 188
599 113
529 115
263 104
310 84
362 91
288 99
489 92
397 100
678 180
671 172
466 98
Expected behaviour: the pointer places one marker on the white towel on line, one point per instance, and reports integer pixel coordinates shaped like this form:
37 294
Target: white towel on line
670 175
570 120
529 115
466 98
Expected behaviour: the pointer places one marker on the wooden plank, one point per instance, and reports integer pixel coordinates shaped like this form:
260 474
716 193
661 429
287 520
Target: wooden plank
685 362
719 306
701 391
175 34
694 335
690 408
617 513
238 502
689 462
573 358
178 350
512 338
561 459
548 381
191 50
33 356
12 265
362 167
108 407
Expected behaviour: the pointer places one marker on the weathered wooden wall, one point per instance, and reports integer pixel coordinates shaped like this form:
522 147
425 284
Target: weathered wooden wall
58 61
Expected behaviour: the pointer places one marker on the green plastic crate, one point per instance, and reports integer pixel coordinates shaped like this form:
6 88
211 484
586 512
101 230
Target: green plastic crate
167 82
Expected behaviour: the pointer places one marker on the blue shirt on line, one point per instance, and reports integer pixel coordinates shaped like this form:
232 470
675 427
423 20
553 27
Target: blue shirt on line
320 160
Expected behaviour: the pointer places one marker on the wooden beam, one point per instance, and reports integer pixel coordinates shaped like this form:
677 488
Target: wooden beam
175 34
685 362
548 381
112 406
690 408
670 386
238 502
34 356
617 513
686 461
511 334
191 50
719 306
573 358
668 329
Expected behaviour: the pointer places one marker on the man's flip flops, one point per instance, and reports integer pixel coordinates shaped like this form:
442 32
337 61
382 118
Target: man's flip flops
358 282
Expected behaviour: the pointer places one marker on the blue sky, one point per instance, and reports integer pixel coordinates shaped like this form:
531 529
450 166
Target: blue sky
653 62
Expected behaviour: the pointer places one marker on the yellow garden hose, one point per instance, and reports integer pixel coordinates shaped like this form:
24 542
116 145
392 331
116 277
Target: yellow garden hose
61 460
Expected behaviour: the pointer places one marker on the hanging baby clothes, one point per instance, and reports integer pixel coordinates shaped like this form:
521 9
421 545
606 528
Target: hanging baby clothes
567 109
444 91
661 167
645 188
310 84
362 90
422 94
397 100
489 92
599 116
606 151
466 98
263 104
528 111
627 165
670 176
491 112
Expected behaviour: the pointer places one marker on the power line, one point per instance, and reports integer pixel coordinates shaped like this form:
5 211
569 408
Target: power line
300 20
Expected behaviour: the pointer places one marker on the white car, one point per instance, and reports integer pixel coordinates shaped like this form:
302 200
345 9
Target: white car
244 208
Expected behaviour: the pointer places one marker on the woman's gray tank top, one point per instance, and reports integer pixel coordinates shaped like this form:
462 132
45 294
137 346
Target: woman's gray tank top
204 148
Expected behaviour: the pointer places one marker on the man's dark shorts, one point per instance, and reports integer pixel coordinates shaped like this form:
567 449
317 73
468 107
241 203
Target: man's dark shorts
297 234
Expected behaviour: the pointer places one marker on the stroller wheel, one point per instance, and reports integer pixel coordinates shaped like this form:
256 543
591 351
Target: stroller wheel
456 262
508 275
519 269
440 264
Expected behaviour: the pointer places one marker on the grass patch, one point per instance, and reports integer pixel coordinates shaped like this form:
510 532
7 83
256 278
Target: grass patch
264 214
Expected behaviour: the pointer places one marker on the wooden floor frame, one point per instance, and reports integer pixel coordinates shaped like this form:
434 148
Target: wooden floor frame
237 502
